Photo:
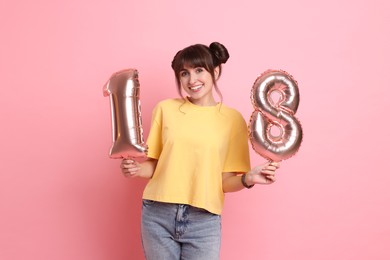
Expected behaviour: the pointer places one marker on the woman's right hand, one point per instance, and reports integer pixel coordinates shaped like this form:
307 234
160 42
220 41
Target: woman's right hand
130 168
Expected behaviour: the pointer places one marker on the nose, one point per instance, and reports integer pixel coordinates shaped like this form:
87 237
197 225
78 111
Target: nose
193 78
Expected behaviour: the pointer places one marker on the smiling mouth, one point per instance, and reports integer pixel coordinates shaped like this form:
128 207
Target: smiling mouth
196 88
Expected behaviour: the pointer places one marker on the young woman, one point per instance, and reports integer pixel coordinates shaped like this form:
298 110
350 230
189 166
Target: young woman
198 150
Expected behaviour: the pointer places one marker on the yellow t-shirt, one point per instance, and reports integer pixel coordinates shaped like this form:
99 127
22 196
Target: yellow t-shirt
194 145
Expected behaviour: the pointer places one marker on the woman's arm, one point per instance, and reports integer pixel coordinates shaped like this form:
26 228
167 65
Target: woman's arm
131 168
262 174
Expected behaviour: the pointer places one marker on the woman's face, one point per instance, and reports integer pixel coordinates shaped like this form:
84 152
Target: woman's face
198 84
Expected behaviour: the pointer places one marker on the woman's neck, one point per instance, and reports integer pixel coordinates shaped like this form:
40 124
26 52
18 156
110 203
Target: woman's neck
203 102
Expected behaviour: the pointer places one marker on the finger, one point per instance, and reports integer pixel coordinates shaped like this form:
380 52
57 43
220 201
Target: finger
130 169
133 175
129 165
128 161
125 166
275 164
129 174
270 168
134 169
270 179
268 173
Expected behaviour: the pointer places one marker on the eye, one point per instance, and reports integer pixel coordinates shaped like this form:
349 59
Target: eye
199 70
183 73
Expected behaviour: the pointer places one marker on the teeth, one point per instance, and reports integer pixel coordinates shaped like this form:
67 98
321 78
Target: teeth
196 87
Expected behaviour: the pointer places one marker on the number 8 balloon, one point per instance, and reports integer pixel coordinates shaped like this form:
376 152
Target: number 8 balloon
123 88
270 115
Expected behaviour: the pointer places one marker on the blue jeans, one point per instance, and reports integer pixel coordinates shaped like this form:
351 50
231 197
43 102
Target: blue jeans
179 232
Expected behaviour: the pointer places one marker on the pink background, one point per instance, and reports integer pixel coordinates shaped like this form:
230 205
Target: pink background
62 198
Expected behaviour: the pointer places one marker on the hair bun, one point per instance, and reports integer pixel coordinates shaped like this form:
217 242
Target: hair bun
220 53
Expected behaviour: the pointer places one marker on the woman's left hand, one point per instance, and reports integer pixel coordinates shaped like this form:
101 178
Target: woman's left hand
262 174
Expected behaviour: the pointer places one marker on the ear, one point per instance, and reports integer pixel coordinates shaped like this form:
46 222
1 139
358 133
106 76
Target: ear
216 72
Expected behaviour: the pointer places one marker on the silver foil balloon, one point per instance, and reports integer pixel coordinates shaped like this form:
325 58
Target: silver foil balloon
270 115
123 88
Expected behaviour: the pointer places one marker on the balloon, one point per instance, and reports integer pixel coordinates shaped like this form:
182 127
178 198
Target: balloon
274 131
123 88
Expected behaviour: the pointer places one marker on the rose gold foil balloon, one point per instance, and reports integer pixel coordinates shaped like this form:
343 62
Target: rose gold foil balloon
274 131
123 88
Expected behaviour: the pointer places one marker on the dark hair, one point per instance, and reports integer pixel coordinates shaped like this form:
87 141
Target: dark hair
199 55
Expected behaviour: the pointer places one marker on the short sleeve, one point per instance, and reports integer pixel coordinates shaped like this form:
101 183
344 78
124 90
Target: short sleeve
238 159
154 140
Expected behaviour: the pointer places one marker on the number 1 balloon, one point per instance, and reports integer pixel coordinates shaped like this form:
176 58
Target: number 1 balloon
123 88
270 115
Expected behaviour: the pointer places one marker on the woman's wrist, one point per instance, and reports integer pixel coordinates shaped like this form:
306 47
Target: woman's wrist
246 181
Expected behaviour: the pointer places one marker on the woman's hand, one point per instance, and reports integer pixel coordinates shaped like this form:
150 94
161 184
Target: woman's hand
130 168
262 174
